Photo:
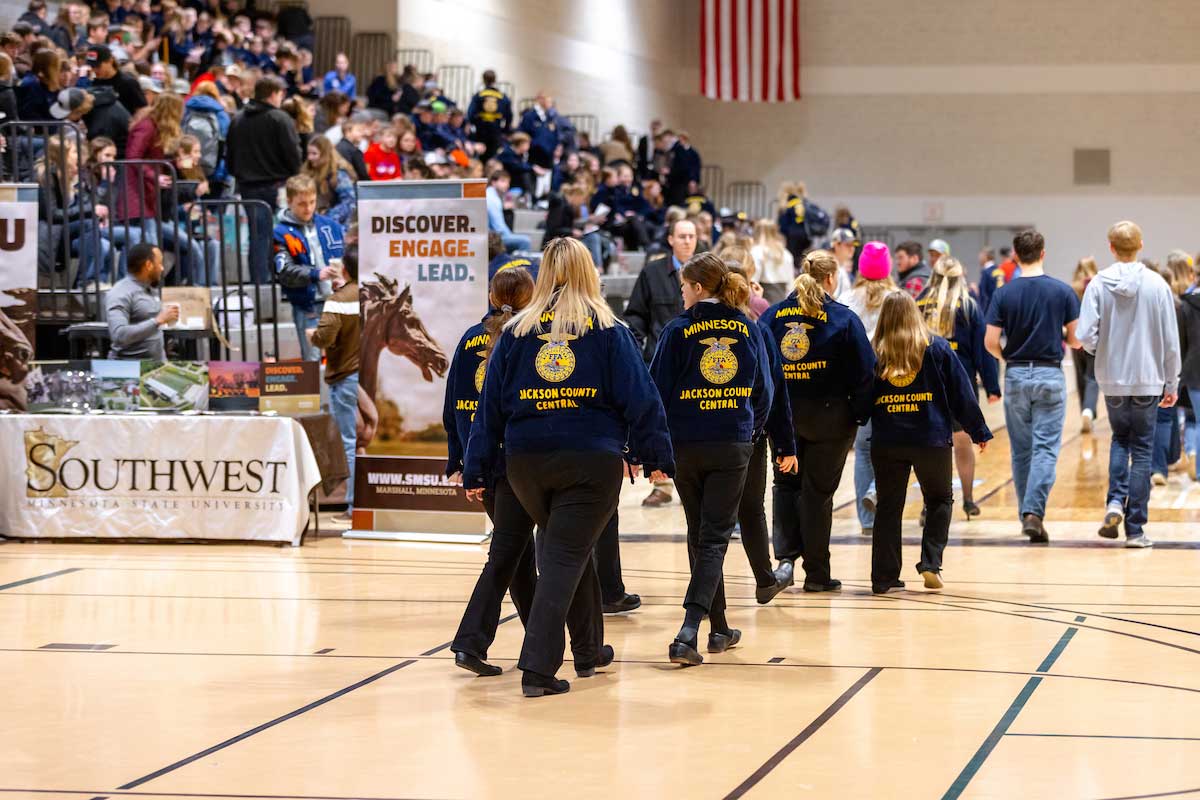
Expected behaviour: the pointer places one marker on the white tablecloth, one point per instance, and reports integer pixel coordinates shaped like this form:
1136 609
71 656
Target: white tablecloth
155 477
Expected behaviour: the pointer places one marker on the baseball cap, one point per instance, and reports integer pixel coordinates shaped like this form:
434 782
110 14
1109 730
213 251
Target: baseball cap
149 84
98 54
435 157
940 246
438 107
842 236
68 100
875 261
233 71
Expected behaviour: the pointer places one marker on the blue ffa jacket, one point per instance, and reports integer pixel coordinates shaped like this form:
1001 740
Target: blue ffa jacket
294 265
823 357
542 132
490 110
463 385
918 410
714 376
967 344
589 393
990 282
509 261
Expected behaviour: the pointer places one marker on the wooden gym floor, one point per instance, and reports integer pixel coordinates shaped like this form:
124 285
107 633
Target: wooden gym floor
1068 671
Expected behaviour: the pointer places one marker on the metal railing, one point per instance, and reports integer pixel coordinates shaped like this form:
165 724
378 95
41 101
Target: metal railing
421 59
586 123
712 178
457 81
748 196
369 52
331 35
525 103
508 87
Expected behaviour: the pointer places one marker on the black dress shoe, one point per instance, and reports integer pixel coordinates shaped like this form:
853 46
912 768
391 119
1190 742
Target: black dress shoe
831 585
535 685
607 654
477 665
627 603
884 588
720 642
785 573
684 654
1031 526
971 509
765 594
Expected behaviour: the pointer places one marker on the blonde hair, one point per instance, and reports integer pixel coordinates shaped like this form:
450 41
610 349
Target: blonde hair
740 257
947 292
810 286
167 115
569 287
715 277
1125 237
1179 264
876 291
901 337
1085 270
767 236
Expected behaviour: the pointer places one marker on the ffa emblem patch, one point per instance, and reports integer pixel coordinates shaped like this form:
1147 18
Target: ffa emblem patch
794 344
900 381
718 364
554 361
490 105
481 370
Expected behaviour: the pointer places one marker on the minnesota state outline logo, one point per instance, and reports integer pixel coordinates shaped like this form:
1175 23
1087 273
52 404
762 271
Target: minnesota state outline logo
795 343
718 364
554 361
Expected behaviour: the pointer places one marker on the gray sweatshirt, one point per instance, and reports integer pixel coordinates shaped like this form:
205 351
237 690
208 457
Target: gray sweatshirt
1127 319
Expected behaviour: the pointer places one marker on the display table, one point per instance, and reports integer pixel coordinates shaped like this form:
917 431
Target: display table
155 477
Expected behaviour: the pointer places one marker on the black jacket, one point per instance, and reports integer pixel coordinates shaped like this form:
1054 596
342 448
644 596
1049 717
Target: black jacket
262 147
39 25
654 301
8 102
1189 339
560 218
108 118
354 158
128 90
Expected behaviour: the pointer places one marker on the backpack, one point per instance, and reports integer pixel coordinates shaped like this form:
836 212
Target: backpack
205 126
816 221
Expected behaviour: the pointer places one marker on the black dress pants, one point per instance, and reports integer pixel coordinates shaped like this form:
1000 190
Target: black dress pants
709 478
804 500
608 562
572 496
752 516
893 465
510 567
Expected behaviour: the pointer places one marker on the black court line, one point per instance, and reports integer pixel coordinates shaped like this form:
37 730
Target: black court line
804 735
1010 716
1108 736
197 794
1157 794
775 660
37 578
323 652
446 645
158 773
72 646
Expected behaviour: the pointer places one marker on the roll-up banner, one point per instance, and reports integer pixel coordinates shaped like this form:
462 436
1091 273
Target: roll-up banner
422 283
18 290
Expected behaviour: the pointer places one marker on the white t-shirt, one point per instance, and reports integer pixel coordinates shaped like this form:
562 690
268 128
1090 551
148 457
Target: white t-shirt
772 270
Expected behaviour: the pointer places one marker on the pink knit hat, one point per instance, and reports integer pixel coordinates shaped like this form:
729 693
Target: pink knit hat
875 262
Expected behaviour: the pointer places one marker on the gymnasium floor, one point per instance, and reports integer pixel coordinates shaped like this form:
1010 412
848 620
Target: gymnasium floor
1068 671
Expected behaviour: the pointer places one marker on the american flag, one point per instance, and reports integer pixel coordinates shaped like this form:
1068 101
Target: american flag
750 50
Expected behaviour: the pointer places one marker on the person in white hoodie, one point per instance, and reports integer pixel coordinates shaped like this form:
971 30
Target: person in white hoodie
1127 320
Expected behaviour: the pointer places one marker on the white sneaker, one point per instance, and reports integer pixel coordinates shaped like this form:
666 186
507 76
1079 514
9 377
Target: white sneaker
1139 541
1158 479
1088 418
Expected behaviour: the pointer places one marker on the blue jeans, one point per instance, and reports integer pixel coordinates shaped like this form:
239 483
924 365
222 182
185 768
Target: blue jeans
515 241
305 320
1035 408
1166 441
864 474
97 247
343 404
1133 420
1193 440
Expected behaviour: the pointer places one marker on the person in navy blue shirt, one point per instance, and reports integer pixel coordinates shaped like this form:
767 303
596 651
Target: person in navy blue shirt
510 565
566 398
828 368
921 391
541 124
490 114
951 313
713 374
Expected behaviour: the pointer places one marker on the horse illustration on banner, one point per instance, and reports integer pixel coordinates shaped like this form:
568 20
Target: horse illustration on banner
16 356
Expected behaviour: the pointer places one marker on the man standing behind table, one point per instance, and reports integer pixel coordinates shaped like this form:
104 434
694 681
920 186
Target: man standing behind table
306 244
337 334
136 316
1032 312
1128 321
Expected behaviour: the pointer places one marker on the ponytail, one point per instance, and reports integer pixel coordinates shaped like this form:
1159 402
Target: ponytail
810 286
947 292
716 278
511 291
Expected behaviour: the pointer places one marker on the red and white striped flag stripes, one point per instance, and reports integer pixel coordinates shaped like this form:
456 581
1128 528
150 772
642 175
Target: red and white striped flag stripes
750 50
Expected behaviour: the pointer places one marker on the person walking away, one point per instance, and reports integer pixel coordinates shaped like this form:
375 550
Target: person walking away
490 114
874 284
337 334
1127 320
1189 346
922 392
828 367
565 370
306 246
1032 312
995 276
1168 433
653 302
952 314
712 344
776 267
1086 387
843 244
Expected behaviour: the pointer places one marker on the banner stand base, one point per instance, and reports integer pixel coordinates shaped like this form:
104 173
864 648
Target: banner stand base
417 536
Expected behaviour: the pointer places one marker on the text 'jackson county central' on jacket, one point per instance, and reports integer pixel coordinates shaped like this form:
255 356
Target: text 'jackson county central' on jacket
919 410
295 266
824 356
544 393
714 374
1127 318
